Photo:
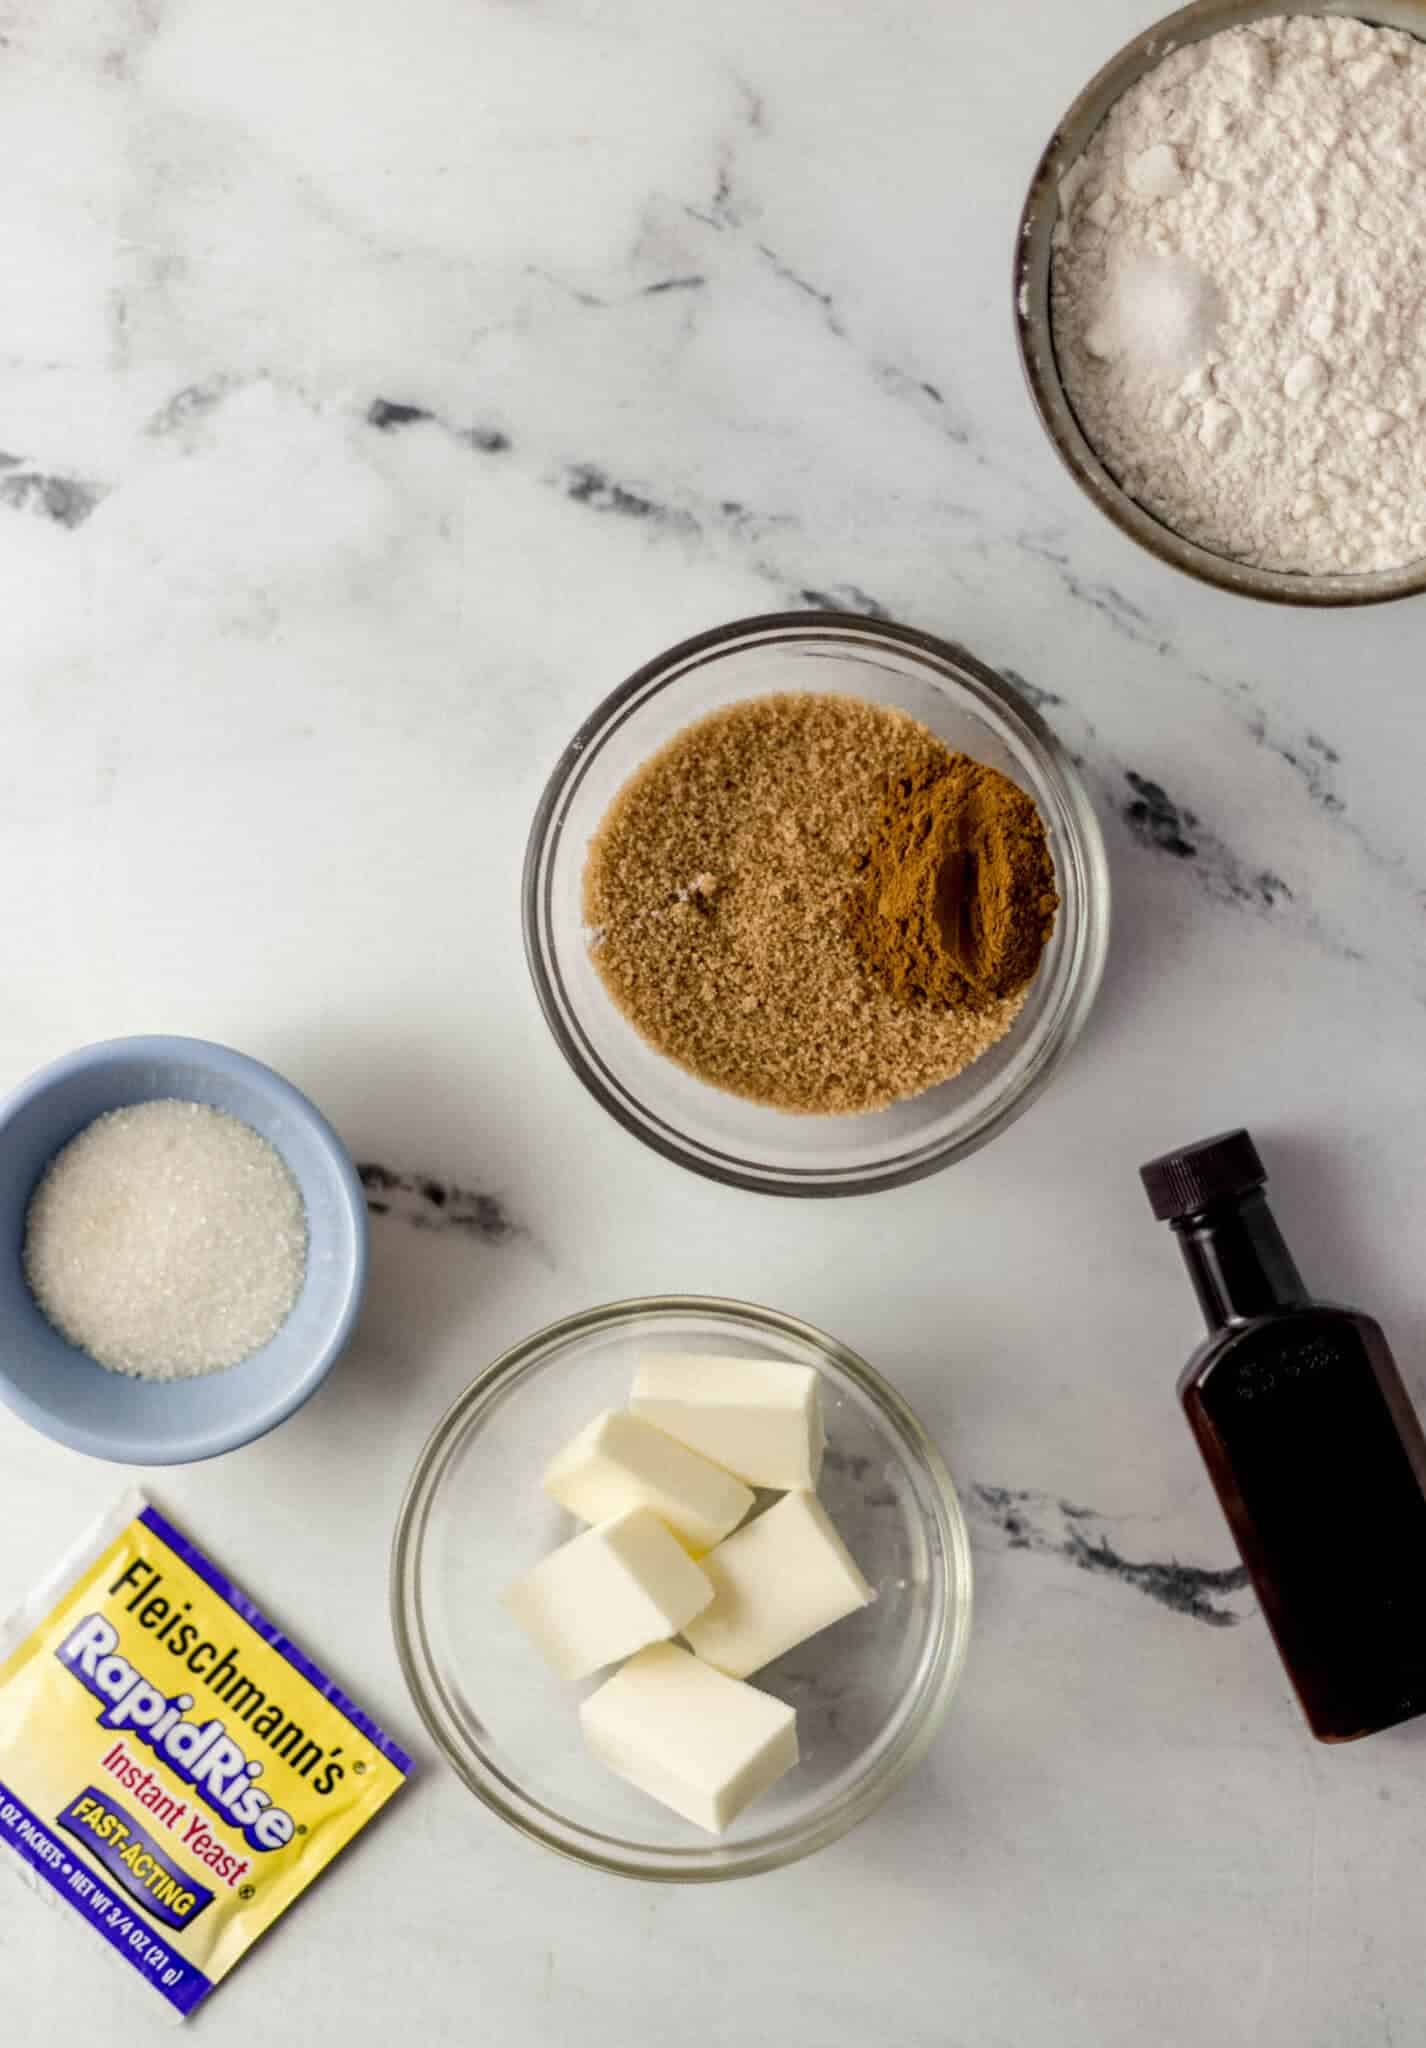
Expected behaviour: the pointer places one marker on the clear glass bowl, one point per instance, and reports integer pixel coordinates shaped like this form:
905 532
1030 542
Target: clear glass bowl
1034 249
721 1135
869 1692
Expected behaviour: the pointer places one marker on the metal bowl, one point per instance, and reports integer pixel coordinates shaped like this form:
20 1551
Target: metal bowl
1034 330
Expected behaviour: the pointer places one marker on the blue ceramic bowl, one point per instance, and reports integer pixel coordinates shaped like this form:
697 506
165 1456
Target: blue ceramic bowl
60 1390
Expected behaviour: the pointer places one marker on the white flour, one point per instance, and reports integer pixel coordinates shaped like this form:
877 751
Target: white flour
1239 294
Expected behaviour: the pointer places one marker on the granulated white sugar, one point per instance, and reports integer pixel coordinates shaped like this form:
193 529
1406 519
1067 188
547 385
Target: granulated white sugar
167 1240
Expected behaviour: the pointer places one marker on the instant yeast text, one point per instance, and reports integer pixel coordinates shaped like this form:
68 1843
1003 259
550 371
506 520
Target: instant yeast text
171 1766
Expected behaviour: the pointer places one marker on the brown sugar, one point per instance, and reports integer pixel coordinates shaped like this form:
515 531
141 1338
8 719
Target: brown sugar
956 896
719 892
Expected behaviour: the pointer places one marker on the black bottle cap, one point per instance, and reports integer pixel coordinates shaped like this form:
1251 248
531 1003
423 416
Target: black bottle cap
1214 1170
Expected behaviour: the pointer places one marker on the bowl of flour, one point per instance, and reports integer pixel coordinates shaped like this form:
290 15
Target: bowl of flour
1220 288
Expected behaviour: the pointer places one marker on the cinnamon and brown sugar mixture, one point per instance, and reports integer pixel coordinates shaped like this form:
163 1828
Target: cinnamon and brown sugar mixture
724 890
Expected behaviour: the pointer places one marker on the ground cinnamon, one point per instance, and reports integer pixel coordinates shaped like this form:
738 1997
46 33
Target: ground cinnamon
955 897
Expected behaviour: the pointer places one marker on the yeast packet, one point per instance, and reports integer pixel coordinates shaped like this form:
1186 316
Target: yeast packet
172 1766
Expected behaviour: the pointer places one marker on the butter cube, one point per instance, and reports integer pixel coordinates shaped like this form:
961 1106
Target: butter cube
758 1417
701 1743
775 1583
619 1462
608 1593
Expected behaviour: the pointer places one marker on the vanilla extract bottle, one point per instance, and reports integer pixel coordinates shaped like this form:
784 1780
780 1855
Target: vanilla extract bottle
1312 1444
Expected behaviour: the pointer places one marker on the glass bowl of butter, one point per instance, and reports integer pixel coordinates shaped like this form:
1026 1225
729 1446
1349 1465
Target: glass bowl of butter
868 1691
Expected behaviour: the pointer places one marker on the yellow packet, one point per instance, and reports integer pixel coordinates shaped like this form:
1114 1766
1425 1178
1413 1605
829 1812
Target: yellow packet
171 1765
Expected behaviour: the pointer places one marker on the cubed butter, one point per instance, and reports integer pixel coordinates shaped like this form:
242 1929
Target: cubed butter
608 1593
760 1418
775 1583
620 1462
701 1743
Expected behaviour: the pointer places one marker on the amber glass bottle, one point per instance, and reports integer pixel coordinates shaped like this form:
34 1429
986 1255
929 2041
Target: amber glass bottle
1313 1446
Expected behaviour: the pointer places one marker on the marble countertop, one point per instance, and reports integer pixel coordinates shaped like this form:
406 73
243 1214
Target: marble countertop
378 386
